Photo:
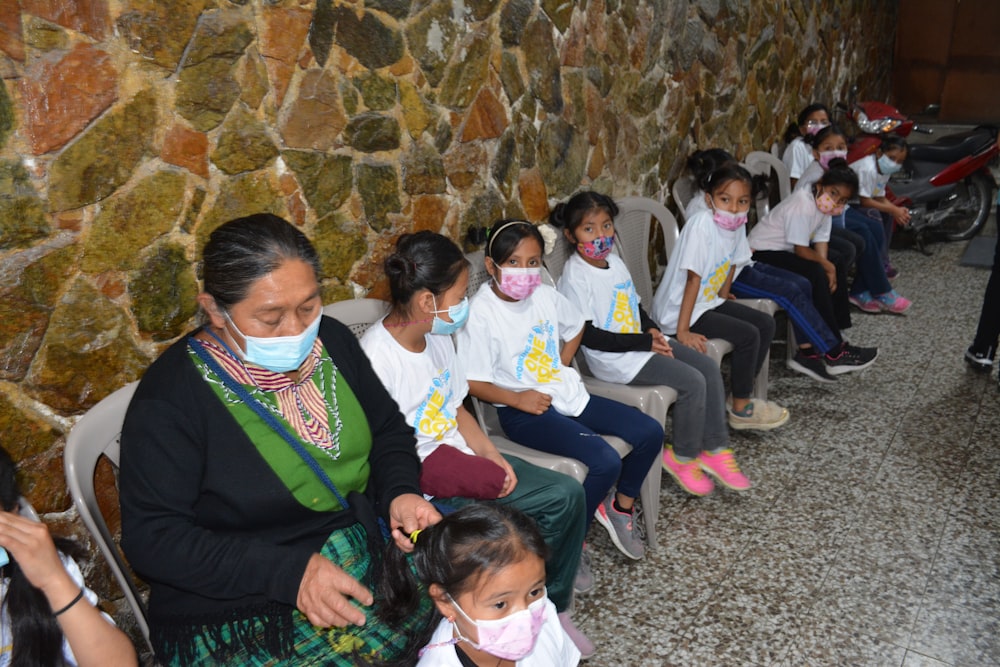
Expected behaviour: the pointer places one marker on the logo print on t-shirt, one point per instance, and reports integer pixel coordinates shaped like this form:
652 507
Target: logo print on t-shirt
540 359
624 308
712 283
433 417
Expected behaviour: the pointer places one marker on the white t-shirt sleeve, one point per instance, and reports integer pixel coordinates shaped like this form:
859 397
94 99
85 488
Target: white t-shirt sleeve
569 316
797 157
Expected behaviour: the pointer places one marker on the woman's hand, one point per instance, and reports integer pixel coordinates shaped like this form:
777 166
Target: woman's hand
30 543
407 513
325 592
660 343
533 402
692 340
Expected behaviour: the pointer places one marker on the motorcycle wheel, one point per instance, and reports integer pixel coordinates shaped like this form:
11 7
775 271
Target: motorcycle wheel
975 200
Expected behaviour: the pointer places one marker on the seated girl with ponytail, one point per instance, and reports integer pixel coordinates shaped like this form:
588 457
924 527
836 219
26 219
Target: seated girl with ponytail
48 616
484 568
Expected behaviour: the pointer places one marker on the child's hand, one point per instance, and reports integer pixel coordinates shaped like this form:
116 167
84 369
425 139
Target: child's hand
901 216
510 481
831 275
660 343
533 402
692 340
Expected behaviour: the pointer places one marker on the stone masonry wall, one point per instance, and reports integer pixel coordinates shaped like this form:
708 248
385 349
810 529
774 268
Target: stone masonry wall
129 129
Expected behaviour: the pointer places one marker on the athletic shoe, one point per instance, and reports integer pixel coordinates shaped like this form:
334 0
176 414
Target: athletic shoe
723 468
584 645
763 416
980 361
584 580
865 302
811 365
619 527
849 359
894 303
687 474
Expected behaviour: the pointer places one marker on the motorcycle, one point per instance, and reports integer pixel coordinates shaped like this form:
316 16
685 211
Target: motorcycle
946 185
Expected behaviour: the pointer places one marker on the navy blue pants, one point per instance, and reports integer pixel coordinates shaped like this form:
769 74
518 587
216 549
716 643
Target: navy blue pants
578 438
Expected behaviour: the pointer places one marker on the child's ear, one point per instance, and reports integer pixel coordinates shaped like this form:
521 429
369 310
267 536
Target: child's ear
708 200
424 300
569 236
442 601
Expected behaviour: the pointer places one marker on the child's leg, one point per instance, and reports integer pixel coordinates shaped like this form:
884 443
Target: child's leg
565 436
637 429
557 503
790 291
813 272
843 255
749 331
871 271
693 420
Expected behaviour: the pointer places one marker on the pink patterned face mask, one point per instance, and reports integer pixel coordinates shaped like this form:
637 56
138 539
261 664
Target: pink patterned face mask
827 206
729 221
519 283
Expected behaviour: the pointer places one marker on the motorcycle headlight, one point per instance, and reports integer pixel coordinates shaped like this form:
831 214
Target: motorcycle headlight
877 125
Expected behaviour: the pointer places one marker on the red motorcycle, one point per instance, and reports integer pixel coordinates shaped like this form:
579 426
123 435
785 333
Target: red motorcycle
946 185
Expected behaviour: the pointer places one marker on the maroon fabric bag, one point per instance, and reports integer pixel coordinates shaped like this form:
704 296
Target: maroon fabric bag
450 472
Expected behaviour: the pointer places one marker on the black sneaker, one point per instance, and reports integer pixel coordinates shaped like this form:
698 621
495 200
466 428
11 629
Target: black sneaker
980 361
811 365
848 358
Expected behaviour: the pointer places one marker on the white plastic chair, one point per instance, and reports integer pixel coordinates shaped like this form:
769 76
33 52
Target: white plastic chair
652 400
98 433
683 190
635 215
762 163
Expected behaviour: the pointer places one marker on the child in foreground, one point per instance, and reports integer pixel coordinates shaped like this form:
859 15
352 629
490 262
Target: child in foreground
484 568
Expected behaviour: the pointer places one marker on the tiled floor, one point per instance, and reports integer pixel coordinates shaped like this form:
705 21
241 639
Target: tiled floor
872 535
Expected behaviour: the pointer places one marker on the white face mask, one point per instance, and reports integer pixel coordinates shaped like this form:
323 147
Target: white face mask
279 353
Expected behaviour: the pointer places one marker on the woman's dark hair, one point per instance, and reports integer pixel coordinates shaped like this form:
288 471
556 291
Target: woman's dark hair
701 164
477 540
423 260
793 130
840 174
570 215
244 250
829 131
726 174
504 235
894 141
36 639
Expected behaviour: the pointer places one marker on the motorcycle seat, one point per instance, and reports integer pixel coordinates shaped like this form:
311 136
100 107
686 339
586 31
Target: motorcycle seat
952 147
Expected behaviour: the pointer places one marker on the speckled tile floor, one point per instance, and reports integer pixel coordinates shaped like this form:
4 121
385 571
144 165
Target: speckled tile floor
872 535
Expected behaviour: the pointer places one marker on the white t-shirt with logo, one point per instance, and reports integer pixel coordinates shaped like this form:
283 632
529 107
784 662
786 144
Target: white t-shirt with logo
606 297
515 345
795 221
707 250
429 386
696 205
797 157
870 182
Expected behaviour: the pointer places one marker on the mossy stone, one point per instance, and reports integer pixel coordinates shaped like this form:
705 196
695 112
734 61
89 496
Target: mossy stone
160 29
544 75
22 326
559 11
206 92
378 186
464 76
326 180
164 292
367 38
239 196
431 36
562 157
23 434
513 17
244 144
510 76
87 172
371 132
416 113
379 93
423 170
485 209
129 223
7 116
340 244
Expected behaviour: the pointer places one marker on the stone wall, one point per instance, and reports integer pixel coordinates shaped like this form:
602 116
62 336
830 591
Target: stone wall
129 129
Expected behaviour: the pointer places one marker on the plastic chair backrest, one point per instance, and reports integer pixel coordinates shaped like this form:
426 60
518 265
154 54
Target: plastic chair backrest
98 433
632 225
683 190
760 162
357 314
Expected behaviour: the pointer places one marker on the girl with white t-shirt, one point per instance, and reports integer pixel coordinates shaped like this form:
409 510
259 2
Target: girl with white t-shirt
623 344
798 152
412 352
794 235
511 353
874 172
484 568
870 291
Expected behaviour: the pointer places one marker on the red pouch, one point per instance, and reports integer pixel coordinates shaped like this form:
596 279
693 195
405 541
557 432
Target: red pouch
449 472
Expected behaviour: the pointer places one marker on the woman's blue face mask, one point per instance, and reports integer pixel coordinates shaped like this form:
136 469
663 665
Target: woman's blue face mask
280 354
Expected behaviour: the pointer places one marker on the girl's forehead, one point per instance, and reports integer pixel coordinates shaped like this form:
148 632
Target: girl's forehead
527 246
734 188
819 114
596 216
832 141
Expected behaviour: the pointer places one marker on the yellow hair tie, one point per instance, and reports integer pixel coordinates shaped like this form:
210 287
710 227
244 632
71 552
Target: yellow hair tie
413 535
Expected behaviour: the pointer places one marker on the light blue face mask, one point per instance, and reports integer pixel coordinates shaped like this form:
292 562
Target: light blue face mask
887 165
458 313
279 353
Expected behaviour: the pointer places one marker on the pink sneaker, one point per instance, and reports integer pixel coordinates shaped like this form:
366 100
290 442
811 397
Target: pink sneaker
583 644
689 475
893 302
866 302
723 467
